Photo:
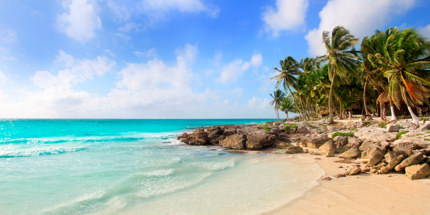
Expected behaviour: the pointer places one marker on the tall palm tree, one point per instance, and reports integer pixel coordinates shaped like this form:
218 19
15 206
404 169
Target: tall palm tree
341 59
405 62
278 96
287 105
287 76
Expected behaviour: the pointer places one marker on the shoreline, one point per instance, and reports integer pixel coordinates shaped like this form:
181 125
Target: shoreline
359 194
359 176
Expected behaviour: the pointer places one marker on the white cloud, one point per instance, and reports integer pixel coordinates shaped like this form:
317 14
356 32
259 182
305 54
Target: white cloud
148 89
80 21
425 31
146 53
236 68
75 71
288 15
3 78
360 17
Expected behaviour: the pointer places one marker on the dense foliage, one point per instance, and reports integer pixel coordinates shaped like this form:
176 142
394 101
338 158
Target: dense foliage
391 69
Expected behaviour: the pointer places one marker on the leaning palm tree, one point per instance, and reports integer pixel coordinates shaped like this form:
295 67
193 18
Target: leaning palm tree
341 59
278 96
287 76
405 62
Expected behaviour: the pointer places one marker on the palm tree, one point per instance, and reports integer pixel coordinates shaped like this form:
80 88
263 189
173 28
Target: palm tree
405 62
341 59
278 96
287 76
287 105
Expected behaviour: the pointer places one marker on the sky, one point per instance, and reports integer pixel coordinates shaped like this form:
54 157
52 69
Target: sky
169 58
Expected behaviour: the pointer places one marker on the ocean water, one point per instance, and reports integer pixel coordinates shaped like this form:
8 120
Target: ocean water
138 167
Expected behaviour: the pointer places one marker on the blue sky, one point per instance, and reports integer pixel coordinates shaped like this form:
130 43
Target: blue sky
168 58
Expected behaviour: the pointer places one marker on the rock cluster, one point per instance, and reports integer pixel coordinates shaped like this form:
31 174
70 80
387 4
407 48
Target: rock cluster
382 153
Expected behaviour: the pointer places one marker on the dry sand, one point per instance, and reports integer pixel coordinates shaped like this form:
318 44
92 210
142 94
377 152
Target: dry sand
361 194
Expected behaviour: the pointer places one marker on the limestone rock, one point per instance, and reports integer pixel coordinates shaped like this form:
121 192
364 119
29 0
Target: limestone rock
259 139
390 155
351 153
326 147
411 160
315 141
418 171
406 148
376 154
302 129
365 147
391 164
235 141
354 171
392 128
293 149
199 137
425 127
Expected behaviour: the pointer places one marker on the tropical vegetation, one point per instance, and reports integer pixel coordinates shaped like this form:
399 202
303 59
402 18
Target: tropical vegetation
391 68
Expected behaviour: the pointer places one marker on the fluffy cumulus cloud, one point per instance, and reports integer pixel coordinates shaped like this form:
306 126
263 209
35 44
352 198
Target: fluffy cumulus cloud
425 31
233 70
288 15
360 17
147 89
80 21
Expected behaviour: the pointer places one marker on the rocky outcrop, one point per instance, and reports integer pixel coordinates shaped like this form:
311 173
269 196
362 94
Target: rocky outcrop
199 137
328 149
315 141
259 139
418 171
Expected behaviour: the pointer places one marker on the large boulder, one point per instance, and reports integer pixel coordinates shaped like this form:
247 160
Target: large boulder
365 147
391 164
293 149
303 129
418 171
235 141
259 139
350 153
411 160
376 154
315 141
392 128
328 149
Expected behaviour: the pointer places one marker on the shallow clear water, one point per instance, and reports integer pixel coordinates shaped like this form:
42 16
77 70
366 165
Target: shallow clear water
137 167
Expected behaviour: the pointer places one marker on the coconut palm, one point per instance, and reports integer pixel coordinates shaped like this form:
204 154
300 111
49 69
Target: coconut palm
405 61
342 60
287 105
278 96
287 76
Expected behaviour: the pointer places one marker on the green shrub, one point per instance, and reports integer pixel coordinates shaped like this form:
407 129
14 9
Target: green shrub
290 126
266 127
399 135
382 124
342 134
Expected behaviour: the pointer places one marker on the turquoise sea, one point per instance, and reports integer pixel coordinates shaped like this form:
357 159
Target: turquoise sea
138 167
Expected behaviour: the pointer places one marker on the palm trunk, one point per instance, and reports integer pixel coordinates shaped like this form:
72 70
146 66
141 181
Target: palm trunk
364 97
330 120
415 118
393 113
295 102
277 114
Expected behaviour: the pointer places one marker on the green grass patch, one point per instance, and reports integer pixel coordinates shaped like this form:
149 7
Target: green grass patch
382 124
399 135
427 139
290 126
335 134
266 127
